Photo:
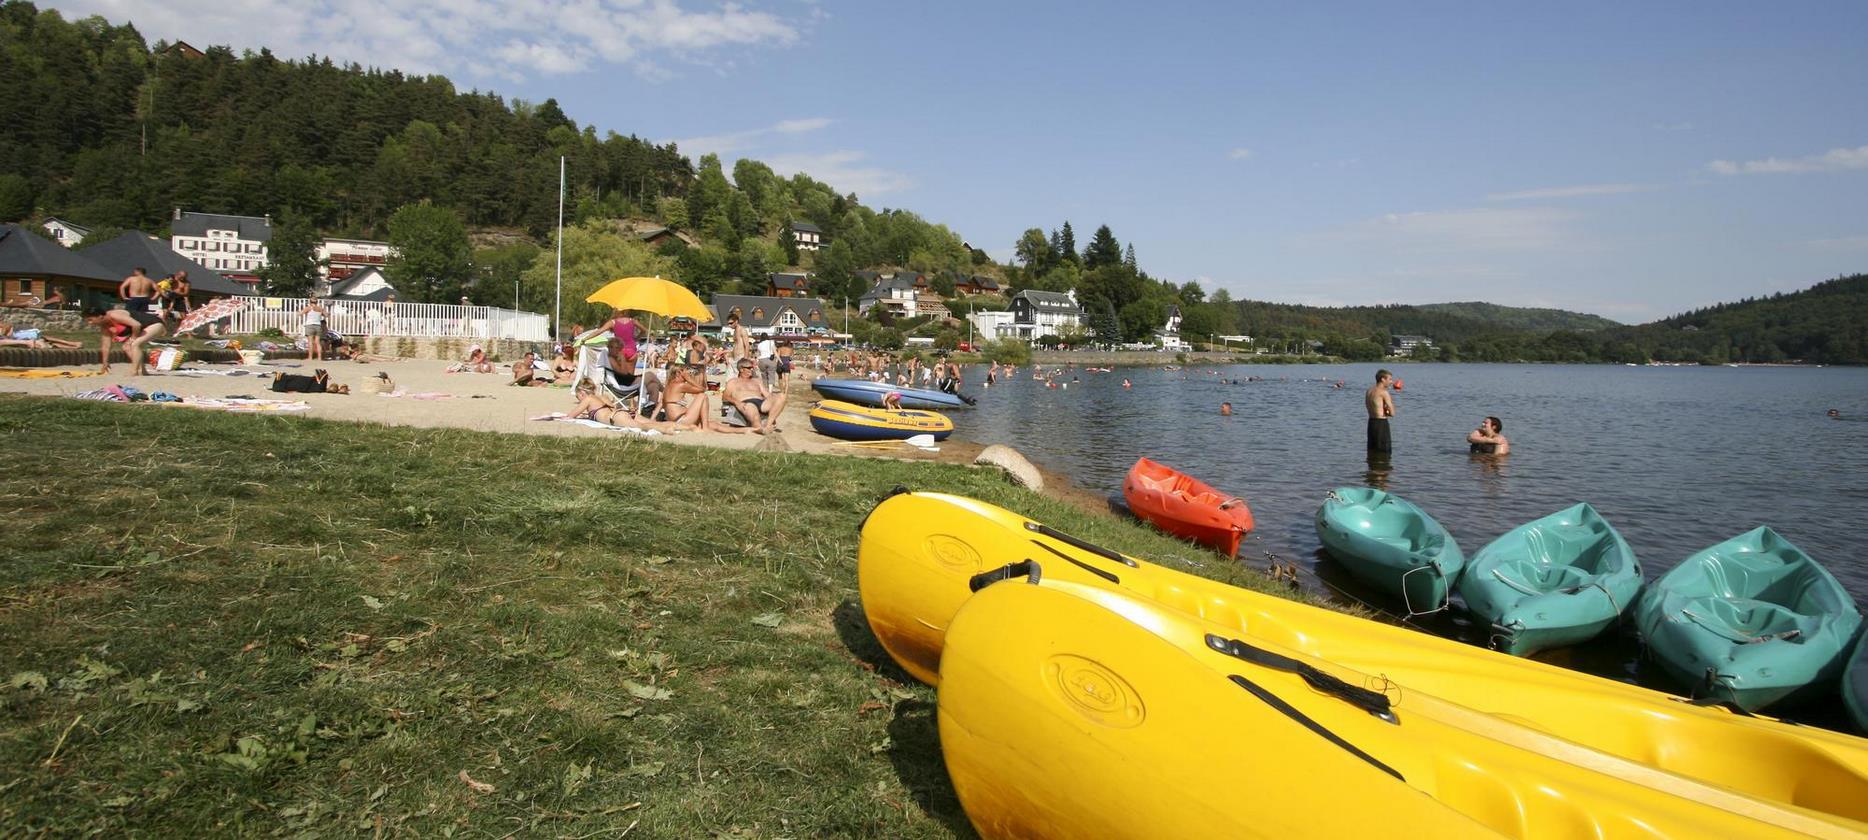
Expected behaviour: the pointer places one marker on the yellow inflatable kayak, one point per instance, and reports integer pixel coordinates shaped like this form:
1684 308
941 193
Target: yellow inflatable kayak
849 421
919 551
1073 711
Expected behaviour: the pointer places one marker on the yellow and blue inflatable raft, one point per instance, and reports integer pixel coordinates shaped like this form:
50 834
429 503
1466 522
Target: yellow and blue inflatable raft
849 421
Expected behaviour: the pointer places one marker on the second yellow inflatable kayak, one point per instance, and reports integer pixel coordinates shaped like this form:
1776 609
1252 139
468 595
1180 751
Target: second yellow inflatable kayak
920 550
1071 711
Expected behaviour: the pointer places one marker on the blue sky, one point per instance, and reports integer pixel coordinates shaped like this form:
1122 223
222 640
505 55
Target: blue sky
1631 160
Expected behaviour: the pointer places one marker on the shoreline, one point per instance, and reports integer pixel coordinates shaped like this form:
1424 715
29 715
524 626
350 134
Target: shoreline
484 402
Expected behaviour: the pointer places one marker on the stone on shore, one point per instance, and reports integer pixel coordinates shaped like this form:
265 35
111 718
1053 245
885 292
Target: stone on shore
1006 458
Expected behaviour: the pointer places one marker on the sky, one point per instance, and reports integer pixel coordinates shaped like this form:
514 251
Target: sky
1631 160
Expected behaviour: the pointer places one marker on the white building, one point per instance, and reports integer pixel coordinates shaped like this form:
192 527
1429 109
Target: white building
340 258
65 233
988 326
809 237
1033 315
1169 334
235 246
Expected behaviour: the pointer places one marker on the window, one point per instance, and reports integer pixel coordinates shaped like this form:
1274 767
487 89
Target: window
817 315
758 314
214 246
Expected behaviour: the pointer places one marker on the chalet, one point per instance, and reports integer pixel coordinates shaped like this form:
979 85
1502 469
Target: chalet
1408 345
771 316
66 233
235 246
183 49
1168 336
977 284
809 237
896 294
905 294
656 237
1036 314
340 258
787 284
369 284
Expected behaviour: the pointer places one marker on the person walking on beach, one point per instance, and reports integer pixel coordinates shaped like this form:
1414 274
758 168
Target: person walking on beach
1381 405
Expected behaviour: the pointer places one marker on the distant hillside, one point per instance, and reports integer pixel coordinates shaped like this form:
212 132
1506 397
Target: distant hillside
1523 318
1824 324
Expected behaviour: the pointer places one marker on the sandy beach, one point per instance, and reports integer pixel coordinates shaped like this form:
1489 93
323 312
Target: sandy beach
485 402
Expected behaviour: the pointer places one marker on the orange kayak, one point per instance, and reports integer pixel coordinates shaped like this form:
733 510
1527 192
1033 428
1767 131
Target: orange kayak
1186 507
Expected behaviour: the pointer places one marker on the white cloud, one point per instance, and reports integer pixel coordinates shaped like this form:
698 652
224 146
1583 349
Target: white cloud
1569 192
1831 161
461 38
1462 231
1240 153
733 141
842 170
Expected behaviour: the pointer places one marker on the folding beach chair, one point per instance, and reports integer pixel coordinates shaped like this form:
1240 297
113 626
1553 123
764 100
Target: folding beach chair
593 367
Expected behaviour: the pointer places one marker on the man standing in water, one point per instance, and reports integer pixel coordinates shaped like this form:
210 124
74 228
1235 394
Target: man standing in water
1381 405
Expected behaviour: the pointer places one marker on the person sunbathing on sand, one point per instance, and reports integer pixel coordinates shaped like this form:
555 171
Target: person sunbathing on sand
592 407
33 338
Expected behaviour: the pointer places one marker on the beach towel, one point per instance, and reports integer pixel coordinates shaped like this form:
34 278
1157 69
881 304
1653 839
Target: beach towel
561 417
40 373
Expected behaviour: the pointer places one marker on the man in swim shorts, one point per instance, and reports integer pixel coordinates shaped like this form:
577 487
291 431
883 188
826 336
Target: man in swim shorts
137 291
1381 406
755 402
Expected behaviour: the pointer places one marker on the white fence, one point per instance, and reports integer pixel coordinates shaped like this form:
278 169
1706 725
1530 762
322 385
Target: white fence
370 318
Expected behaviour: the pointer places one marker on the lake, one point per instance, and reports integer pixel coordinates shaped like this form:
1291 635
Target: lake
1677 458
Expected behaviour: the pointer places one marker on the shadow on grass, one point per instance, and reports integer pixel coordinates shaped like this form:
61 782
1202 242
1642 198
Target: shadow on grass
914 737
852 627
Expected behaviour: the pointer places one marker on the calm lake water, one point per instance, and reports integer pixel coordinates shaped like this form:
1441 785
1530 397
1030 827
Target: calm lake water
1677 458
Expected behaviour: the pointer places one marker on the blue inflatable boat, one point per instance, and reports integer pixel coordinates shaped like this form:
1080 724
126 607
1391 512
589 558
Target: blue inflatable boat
864 392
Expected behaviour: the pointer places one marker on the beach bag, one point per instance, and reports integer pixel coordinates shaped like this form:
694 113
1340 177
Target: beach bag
168 358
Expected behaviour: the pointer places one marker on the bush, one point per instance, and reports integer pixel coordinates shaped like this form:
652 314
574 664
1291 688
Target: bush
1007 351
270 332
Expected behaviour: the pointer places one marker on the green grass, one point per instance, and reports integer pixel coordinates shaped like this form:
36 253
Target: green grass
220 624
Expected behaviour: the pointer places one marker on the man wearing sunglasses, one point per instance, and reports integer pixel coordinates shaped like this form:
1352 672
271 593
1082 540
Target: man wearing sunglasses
755 402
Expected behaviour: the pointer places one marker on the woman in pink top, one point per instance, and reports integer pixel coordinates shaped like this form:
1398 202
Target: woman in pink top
625 335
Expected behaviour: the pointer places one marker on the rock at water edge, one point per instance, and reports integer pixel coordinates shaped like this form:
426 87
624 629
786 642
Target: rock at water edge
1006 458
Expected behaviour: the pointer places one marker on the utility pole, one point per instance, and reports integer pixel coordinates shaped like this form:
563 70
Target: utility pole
557 312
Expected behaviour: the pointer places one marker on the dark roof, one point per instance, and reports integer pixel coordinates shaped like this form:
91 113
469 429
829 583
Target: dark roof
250 228
983 282
135 248
341 288
381 295
27 254
1054 301
806 227
769 307
83 229
888 284
788 280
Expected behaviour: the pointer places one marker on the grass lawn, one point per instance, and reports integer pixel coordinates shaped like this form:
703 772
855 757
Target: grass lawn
221 624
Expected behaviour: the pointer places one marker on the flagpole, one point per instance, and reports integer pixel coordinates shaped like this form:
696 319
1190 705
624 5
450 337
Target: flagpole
557 312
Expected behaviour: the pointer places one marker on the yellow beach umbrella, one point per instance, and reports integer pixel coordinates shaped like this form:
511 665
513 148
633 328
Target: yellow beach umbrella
652 294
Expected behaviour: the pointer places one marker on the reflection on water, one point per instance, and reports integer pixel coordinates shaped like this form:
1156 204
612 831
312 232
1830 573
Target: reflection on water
1676 458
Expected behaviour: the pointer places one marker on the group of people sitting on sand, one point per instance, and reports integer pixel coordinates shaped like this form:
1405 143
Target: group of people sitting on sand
655 384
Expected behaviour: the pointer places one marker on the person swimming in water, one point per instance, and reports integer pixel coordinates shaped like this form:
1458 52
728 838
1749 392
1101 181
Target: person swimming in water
1225 409
1489 438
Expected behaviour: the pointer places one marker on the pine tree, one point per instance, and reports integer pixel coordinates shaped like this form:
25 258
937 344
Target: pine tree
1067 244
1103 250
1128 258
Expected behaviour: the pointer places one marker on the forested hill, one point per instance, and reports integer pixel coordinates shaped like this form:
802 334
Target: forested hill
102 128
1522 318
1443 322
1824 324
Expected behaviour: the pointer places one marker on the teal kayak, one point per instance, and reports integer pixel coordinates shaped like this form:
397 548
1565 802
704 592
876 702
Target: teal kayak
1552 582
1387 542
1751 621
1855 685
